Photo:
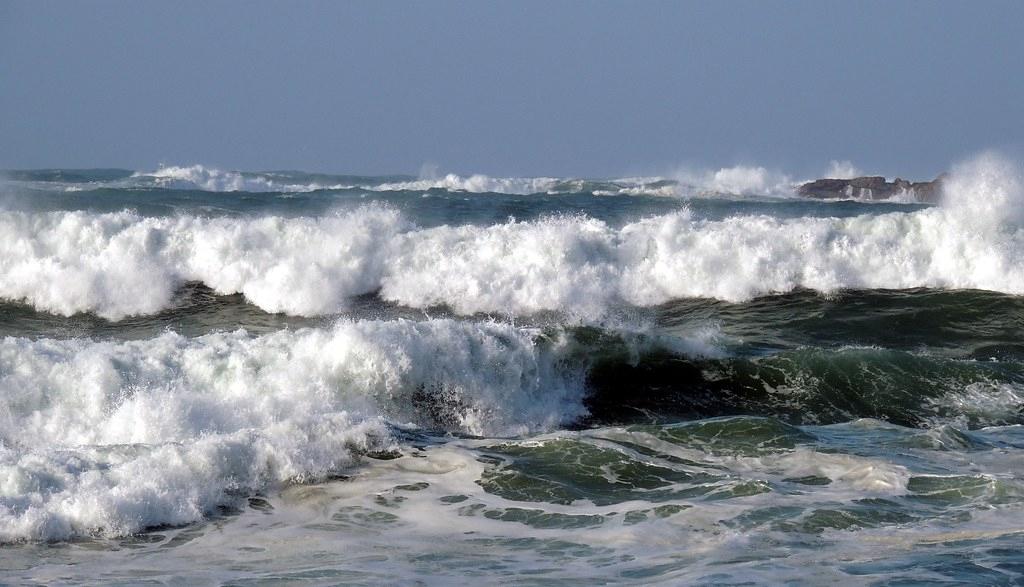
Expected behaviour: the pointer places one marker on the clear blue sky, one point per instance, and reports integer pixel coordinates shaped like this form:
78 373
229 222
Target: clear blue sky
534 88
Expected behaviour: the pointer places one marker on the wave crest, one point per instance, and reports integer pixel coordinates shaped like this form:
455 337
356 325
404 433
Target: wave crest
122 264
113 437
199 177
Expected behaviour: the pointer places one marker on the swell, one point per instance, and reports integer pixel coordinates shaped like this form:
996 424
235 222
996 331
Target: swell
964 324
809 386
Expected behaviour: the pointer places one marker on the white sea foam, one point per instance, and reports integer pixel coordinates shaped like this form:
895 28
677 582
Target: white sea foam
113 437
984 400
740 180
121 264
420 536
199 177
847 473
476 183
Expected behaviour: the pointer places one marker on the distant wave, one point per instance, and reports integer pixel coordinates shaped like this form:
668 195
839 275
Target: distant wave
210 179
739 180
198 177
476 184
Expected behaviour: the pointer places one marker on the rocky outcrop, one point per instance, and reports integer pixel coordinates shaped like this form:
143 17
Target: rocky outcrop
872 188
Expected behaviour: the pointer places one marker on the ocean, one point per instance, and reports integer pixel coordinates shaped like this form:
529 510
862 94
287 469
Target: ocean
211 377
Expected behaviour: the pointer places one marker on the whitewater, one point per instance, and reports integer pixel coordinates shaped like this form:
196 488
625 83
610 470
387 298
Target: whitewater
121 264
698 377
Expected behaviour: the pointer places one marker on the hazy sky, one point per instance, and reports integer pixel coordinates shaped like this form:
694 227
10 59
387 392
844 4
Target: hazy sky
536 88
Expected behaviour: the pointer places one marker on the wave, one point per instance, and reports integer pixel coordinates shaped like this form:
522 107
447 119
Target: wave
112 437
808 386
476 183
740 180
736 181
121 264
186 177
211 179
109 438
754 180
198 177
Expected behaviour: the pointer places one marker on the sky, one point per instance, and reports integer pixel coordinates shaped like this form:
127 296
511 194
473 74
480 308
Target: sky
595 88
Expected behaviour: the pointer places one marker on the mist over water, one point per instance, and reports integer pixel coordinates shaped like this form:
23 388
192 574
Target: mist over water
692 378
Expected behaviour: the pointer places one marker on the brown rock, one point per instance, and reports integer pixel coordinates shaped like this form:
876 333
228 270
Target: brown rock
871 188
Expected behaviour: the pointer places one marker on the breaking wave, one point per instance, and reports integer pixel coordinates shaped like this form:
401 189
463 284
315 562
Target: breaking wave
122 264
739 180
113 437
198 177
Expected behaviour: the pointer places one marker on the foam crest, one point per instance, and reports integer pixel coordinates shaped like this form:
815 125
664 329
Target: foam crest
476 183
199 177
565 263
122 264
581 265
210 179
742 257
113 437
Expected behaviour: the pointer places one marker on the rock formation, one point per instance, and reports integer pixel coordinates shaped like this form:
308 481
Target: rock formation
872 188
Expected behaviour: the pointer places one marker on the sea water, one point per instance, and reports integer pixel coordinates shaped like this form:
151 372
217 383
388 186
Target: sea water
217 377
